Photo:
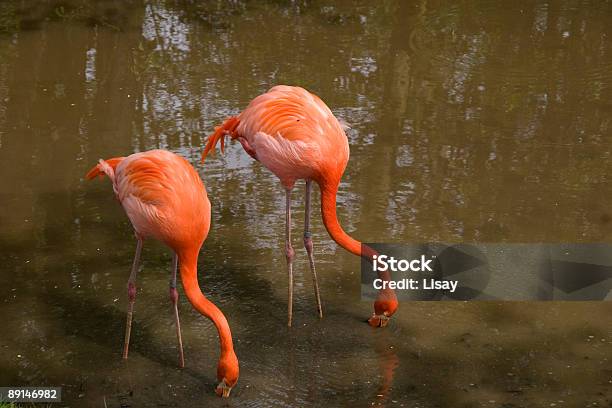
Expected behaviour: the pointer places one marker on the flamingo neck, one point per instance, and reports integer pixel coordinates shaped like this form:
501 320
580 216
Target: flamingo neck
188 260
330 218
386 301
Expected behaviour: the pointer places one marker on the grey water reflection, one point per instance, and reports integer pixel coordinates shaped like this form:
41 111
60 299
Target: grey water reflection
469 121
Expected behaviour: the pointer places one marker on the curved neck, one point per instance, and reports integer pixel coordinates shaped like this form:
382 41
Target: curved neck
330 220
188 260
386 301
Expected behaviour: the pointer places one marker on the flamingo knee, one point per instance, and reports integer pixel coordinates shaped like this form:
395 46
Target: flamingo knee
289 253
131 291
308 242
174 295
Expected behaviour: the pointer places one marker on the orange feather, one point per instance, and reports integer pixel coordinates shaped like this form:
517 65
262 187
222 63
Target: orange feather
228 128
97 170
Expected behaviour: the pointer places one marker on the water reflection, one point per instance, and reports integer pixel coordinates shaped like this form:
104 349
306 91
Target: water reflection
469 122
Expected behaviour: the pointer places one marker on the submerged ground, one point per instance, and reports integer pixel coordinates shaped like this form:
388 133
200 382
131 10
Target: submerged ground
470 122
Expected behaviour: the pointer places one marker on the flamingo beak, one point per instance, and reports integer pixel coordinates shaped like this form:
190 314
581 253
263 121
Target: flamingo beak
223 390
379 320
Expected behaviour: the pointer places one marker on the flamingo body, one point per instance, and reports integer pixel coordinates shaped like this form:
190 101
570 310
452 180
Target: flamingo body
294 134
163 196
165 199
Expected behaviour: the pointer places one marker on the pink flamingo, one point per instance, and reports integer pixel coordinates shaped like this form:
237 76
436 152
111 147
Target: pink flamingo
164 198
295 135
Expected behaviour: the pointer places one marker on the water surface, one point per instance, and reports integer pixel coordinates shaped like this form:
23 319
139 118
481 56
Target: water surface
470 121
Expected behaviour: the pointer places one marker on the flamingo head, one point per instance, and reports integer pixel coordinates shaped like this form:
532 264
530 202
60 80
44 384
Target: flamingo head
379 320
227 374
384 307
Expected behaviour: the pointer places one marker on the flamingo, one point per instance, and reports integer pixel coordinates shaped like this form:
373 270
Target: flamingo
165 199
295 135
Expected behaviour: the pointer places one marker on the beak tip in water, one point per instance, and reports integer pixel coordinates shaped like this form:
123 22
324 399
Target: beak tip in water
378 320
223 390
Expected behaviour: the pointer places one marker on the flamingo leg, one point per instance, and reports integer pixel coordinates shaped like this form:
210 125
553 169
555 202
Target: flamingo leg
290 254
309 246
174 299
131 297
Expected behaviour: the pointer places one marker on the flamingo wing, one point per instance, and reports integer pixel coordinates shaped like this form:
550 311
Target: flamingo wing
162 195
291 112
288 112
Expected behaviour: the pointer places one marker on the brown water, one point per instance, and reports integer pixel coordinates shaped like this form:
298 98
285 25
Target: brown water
471 121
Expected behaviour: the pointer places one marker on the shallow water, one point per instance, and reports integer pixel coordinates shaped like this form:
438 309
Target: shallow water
469 122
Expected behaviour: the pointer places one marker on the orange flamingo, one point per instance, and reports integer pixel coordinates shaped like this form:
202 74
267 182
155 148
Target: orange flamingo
164 198
294 134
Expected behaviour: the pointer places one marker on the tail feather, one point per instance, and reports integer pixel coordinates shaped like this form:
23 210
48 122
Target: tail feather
107 167
228 128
